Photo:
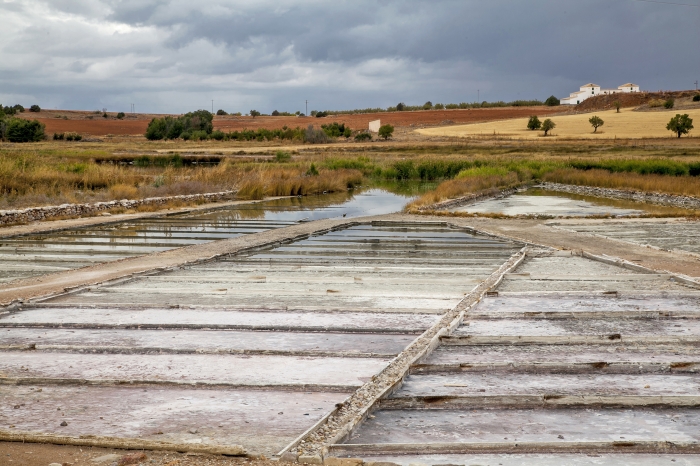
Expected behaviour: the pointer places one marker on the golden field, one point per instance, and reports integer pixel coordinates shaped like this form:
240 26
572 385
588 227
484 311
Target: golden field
624 125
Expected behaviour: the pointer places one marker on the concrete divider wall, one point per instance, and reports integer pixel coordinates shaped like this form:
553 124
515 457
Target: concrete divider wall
32 214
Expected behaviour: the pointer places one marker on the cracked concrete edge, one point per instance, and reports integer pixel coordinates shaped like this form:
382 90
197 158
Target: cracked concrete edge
120 443
41 288
46 381
395 372
519 447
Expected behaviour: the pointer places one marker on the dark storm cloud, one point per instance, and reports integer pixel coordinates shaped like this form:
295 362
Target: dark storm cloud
341 54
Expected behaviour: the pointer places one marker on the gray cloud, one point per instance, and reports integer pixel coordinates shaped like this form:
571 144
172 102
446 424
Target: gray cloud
175 55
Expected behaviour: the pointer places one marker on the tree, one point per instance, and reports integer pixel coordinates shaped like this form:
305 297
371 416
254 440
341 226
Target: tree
669 103
221 112
254 113
680 124
121 115
275 113
35 108
552 101
617 105
596 122
547 126
696 98
400 107
428 105
534 123
385 131
439 107
20 130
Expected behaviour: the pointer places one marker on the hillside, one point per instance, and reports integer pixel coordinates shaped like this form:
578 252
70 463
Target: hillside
606 102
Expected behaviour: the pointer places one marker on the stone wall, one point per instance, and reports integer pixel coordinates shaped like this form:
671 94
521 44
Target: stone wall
33 214
628 195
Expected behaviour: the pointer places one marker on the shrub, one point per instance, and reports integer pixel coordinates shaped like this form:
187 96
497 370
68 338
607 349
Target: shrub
654 103
104 115
218 135
221 112
320 114
552 101
547 126
428 105
669 103
439 107
680 124
696 98
315 136
596 122
363 136
282 156
73 137
617 105
312 171
35 108
336 130
121 115
400 106
385 131
254 113
534 123
173 128
20 130
58 136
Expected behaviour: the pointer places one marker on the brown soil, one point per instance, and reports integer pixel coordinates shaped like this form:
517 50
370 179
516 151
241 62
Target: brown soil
89 123
36 454
605 102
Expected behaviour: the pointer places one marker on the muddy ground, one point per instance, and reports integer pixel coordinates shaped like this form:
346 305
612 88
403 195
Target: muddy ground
33 454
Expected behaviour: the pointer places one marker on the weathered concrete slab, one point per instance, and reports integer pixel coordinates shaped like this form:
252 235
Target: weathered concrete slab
512 382
188 341
212 318
561 307
530 425
261 421
542 459
186 368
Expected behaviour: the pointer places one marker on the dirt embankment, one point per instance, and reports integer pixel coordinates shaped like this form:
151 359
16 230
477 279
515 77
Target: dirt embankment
607 102
89 123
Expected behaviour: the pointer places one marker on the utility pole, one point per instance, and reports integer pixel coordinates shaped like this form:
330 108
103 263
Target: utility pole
696 84
307 109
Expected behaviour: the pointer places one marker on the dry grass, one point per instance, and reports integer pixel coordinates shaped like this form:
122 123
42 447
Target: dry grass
624 125
453 189
680 185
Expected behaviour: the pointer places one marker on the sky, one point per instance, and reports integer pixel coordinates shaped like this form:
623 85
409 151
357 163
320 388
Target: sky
174 56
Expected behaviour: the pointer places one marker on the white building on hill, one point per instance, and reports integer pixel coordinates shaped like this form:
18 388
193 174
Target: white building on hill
591 90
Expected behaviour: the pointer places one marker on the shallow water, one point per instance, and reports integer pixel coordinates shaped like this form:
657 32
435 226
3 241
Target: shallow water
32 255
556 204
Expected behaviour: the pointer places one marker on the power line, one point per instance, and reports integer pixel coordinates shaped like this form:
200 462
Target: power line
667 3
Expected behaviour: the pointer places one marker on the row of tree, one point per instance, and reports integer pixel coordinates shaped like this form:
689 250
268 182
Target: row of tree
679 124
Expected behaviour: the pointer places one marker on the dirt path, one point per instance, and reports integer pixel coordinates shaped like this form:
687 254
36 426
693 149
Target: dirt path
32 454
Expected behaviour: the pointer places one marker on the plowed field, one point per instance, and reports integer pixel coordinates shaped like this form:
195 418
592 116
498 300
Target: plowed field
79 122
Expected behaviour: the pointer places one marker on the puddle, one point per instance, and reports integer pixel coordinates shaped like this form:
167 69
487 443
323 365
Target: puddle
541 202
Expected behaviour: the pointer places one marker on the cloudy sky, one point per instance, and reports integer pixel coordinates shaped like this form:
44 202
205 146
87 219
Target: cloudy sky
172 56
